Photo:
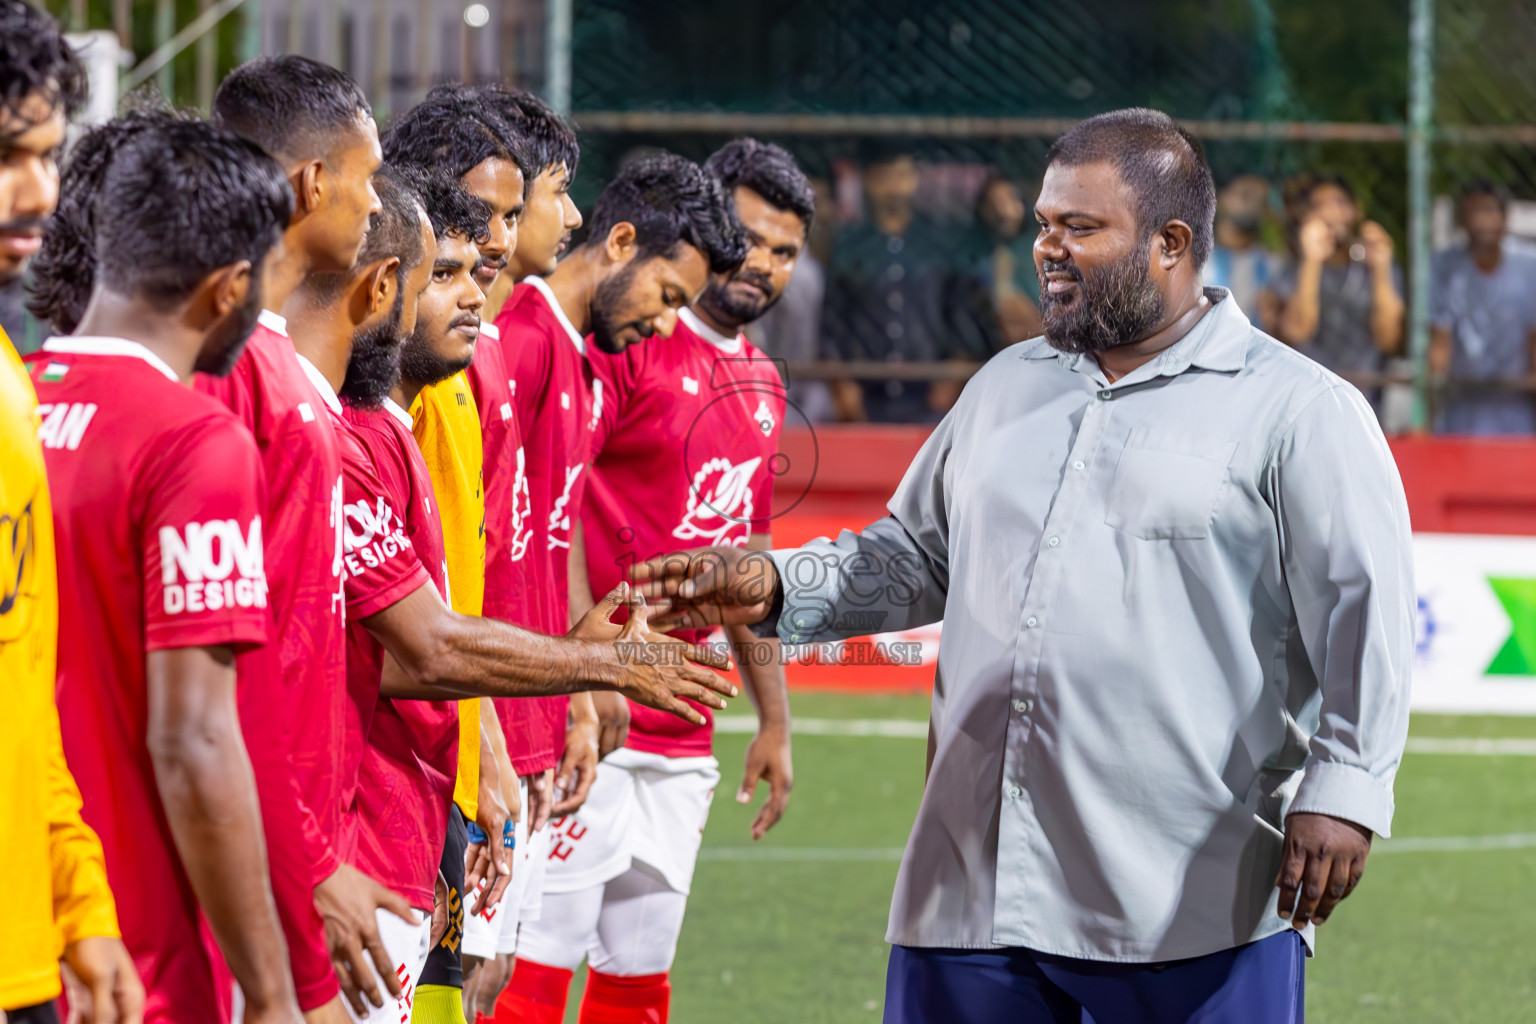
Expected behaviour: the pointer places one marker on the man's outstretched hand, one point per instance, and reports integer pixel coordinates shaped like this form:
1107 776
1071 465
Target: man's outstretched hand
709 587
1323 861
657 670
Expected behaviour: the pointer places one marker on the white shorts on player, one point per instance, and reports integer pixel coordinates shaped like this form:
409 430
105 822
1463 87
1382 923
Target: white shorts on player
494 930
407 946
621 867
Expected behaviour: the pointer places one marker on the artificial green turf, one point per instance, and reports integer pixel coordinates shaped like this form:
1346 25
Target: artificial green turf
1427 937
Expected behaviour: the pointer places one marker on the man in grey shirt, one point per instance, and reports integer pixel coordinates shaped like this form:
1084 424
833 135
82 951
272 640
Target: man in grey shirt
1172 557
1484 314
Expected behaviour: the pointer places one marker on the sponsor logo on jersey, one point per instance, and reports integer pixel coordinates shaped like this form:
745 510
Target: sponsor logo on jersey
764 417
719 504
213 565
373 535
522 510
63 423
559 518
17 575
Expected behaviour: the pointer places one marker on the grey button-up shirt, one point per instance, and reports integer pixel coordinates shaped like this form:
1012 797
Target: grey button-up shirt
1176 607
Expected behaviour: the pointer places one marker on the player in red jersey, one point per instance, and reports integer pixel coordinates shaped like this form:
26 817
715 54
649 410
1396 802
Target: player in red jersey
316 122
550 154
159 497
350 327
685 451
659 229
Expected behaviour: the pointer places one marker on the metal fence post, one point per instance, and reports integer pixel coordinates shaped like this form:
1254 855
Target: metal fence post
557 62
1421 113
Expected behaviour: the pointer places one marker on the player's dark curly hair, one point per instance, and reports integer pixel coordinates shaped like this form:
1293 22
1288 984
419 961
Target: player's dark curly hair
769 171
293 107
180 200
451 208
550 138
670 200
35 59
1162 164
64 270
453 131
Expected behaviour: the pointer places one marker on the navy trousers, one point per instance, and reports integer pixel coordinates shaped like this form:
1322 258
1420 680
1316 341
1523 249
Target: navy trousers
1260 983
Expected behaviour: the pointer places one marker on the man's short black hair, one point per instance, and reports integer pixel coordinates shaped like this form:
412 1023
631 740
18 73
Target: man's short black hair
1485 187
293 107
452 131
670 200
394 231
179 201
34 58
452 208
769 171
1162 164
549 138
1330 180
64 271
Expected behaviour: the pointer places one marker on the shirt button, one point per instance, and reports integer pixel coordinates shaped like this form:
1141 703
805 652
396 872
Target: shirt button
1022 705
1106 394
1054 542
1031 622
1014 792
1079 465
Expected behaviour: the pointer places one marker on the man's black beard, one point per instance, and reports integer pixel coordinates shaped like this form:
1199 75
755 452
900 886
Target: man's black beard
221 351
421 364
606 323
374 367
1116 305
733 312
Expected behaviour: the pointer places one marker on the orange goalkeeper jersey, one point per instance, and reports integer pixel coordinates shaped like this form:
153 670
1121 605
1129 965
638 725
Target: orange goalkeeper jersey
50 860
447 428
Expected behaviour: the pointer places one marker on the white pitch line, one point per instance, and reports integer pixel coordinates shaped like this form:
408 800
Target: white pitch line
846 854
907 728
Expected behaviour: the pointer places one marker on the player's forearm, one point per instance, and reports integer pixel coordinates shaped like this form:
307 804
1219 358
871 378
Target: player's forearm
580 587
1386 312
209 794
761 665
1298 320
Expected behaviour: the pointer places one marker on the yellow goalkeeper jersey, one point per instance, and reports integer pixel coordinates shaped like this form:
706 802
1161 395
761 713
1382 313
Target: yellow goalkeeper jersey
447 428
50 860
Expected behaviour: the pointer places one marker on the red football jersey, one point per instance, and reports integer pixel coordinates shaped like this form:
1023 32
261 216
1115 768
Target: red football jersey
508 526
294 735
556 402
684 452
405 780
157 503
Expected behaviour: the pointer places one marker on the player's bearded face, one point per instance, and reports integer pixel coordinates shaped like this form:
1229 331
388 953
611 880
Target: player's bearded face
610 315
741 296
1113 304
374 368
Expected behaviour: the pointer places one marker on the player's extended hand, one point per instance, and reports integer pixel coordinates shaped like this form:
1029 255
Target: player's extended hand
488 865
1323 861
768 759
1378 246
709 587
578 765
657 670
541 799
1316 240
612 720
348 901
102 983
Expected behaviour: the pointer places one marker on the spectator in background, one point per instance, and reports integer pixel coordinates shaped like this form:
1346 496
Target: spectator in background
1239 262
1484 319
890 299
1001 259
791 329
1341 302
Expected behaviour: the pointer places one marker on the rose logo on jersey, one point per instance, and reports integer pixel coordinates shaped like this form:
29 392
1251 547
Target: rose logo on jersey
212 565
764 417
373 535
559 518
719 504
522 510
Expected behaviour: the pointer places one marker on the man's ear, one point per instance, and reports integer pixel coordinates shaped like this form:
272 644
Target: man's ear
308 187
227 288
374 289
1175 239
620 246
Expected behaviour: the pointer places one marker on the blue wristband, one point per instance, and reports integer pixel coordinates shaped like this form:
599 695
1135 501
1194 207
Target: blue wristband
476 833
509 836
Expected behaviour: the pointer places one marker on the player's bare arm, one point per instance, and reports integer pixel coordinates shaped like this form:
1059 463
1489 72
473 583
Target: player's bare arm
768 755
611 709
487 866
209 795
439 653
578 765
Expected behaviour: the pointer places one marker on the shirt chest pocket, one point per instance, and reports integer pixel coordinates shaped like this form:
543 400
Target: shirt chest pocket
1168 486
